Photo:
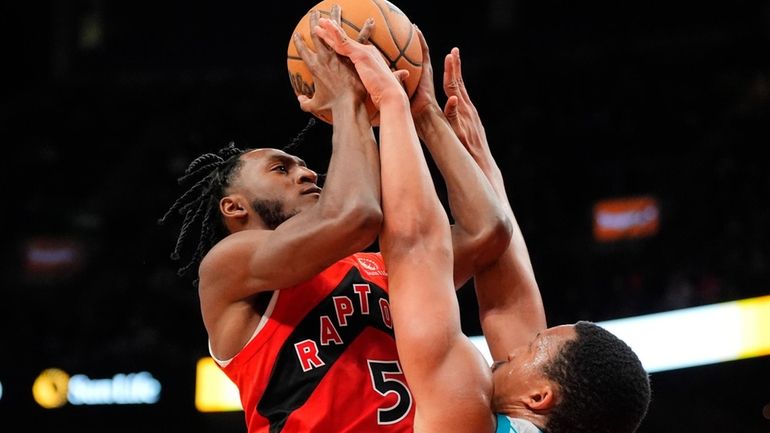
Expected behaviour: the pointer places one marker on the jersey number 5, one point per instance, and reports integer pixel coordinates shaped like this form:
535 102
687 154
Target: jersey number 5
384 383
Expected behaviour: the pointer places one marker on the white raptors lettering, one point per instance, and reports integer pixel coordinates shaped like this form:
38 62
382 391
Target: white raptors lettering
344 308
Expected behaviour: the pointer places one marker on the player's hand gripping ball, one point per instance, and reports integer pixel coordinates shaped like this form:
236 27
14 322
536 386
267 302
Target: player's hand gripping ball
393 34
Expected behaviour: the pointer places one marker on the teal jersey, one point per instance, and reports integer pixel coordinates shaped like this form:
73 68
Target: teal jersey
515 425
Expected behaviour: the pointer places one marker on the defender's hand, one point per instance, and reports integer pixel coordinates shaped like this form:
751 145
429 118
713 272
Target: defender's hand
459 109
370 64
425 94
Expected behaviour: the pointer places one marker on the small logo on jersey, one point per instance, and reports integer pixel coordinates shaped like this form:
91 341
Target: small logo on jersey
371 267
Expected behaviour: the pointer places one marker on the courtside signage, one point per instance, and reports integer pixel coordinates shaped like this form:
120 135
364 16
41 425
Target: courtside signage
55 388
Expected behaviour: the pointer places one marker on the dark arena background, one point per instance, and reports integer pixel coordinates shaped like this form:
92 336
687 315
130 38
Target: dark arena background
632 135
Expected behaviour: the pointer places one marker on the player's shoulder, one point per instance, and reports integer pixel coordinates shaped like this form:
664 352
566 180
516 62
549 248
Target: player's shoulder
233 249
226 266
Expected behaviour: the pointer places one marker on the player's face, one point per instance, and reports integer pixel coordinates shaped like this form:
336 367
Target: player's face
522 371
277 184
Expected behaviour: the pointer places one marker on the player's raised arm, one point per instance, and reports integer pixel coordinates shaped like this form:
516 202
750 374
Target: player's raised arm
416 245
510 305
481 229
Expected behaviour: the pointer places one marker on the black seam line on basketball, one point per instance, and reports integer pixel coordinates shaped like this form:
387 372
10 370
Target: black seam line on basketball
401 50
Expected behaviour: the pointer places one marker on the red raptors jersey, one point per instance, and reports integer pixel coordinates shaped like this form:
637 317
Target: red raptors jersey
324 358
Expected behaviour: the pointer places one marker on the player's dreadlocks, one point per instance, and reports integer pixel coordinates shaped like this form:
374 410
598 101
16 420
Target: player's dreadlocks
207 178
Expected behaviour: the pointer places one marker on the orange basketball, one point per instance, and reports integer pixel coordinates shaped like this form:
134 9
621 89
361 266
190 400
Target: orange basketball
392 34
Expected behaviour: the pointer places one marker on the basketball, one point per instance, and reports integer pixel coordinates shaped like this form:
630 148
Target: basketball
392 34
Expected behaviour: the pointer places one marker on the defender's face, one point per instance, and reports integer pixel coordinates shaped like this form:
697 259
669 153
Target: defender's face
523 369
276 176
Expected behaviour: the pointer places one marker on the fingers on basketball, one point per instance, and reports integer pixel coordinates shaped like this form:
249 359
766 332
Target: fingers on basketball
366 31
391 33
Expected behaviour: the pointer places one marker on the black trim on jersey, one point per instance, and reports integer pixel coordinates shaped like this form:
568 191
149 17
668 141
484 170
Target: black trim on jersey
289 387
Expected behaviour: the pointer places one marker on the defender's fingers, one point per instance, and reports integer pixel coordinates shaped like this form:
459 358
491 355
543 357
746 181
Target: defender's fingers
336 13
458 72
449 75
450 108
366 31
458 64
333 36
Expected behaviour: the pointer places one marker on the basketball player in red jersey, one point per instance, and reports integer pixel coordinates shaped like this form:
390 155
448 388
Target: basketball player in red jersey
297 317
569 378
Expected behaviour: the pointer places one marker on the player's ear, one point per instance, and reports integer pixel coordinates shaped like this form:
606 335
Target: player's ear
542 398
233 206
